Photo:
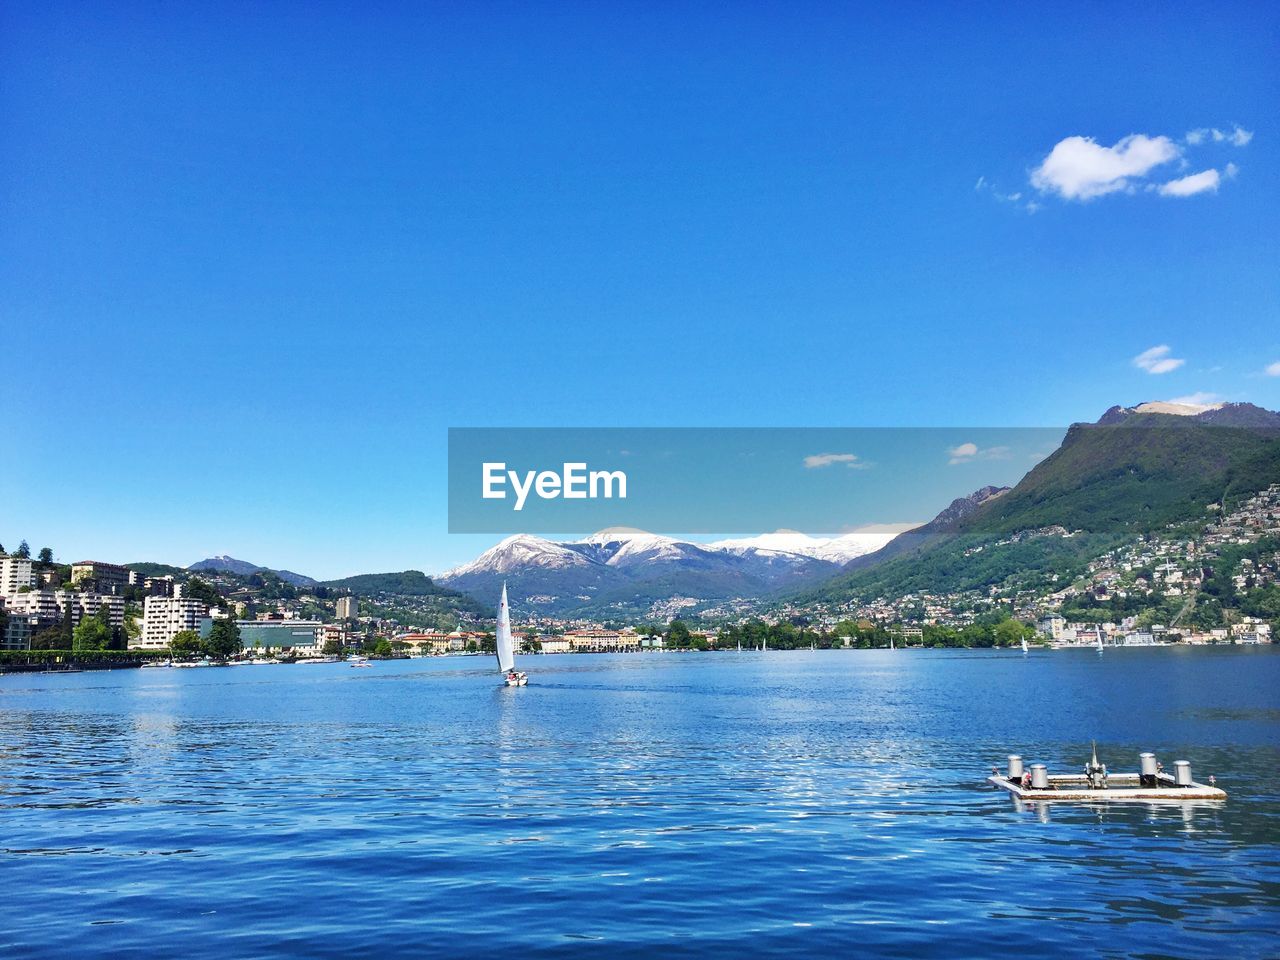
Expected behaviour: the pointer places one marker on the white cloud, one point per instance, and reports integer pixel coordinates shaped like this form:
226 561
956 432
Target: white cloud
1078 168
1273 369
968 452
1237 137
1157 360
818 460
1189 186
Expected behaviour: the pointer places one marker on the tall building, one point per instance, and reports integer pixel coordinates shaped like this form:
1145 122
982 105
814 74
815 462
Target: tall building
163 618
15 573
348 608
107 577
48 608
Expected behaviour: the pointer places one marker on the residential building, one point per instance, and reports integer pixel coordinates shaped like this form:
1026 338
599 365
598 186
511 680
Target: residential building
16 573
348 608
107 577
17 632
163 618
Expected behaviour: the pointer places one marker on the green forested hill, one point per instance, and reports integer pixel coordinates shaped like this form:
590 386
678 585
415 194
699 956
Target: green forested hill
1107 483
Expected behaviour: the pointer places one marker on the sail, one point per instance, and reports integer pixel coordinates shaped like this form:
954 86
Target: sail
506 648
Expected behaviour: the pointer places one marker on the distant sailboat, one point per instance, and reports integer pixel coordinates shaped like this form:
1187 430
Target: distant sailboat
891 646
507 648
1099 636
739 644
1024 644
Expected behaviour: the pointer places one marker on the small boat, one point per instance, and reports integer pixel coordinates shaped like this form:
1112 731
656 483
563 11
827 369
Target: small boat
506 648
1099 641
1024 644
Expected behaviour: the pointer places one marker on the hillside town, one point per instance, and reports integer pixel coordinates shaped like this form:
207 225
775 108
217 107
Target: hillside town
1203 583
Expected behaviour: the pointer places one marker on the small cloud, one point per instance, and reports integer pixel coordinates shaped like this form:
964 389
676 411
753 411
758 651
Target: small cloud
1200 398
1206 181
1157 360
1273 369
818 460
1237 137
968 452
1079 168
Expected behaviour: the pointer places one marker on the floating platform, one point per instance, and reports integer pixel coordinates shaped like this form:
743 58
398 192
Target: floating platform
1096 783
1120 786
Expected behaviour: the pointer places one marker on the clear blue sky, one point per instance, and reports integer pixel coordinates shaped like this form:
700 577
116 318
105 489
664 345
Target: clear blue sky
256 259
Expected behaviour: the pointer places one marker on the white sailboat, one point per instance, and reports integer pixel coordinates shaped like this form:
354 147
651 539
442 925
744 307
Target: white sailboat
1099 635
891 646
507 648
1024 644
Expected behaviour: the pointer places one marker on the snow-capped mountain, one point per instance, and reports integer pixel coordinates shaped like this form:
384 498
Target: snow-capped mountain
625 568
522 552
839 549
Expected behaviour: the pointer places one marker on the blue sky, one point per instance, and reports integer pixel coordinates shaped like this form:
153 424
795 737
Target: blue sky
255 260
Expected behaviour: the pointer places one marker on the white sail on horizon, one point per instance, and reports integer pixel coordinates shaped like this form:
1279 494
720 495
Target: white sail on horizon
505 647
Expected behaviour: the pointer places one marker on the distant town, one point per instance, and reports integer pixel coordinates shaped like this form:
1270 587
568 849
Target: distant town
1162 588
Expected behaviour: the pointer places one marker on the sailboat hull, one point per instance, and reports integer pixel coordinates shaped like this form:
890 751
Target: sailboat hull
519 680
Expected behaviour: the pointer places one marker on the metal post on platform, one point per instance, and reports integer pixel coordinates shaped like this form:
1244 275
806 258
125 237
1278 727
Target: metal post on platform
1039 777
1182 773
1148 772
1015 767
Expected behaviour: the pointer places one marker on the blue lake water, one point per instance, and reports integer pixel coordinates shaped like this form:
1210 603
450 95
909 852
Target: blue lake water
779 804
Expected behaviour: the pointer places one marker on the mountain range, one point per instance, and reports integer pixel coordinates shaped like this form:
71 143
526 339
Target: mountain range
627 571
1135 469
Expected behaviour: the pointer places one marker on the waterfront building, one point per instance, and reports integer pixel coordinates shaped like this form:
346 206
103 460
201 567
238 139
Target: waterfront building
17 632
163 618
106 577
303 637
16 573
428 642
554 644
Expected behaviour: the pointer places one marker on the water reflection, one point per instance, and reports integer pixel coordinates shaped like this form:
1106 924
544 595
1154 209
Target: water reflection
729 806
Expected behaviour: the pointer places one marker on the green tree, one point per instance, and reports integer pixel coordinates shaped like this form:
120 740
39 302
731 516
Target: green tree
24 551
93 633
678 634
186 643
382 648
333 648
199 589
46 557
224 639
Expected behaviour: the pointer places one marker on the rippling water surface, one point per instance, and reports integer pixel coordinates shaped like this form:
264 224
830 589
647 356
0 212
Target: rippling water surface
827 803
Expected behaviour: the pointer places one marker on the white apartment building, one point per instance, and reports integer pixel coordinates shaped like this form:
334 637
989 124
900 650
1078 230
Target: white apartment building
163 618
15 573
348 608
